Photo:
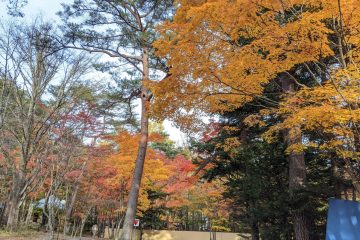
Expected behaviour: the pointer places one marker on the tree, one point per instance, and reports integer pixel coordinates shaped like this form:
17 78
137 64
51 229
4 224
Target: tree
108 178
255 175
15 7
36 77
124 30
223 54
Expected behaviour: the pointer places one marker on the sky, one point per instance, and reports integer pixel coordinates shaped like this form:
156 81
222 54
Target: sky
48 9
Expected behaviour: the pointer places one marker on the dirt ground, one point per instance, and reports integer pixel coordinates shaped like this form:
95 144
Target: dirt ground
38 236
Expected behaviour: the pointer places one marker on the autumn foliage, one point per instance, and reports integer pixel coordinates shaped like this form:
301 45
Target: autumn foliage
224 53
268 92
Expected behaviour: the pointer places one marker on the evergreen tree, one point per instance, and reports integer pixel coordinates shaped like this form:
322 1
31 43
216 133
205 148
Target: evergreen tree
124 30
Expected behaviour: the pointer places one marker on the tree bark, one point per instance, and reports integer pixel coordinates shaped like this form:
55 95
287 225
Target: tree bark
29 214
14 202
45 217
297 167
69 209
255 231
13 213
139 165
4 214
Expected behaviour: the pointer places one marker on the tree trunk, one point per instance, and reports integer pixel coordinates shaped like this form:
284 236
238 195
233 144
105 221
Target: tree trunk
13 214
14 202
3 215
139 165
255 231
44 219
82 226
297 168
69 210
28 219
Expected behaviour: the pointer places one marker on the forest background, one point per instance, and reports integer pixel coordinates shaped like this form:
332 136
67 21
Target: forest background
267 92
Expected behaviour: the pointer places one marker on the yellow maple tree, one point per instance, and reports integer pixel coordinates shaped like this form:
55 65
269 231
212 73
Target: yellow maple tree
121 165
224 54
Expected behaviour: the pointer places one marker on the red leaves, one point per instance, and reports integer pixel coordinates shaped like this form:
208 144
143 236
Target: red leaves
74 174
213 130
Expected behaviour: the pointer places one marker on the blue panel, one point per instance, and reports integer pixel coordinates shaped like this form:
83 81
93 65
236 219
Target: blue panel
343 220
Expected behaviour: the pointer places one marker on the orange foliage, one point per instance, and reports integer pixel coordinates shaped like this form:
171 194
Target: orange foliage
180 182
109 176
223 53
